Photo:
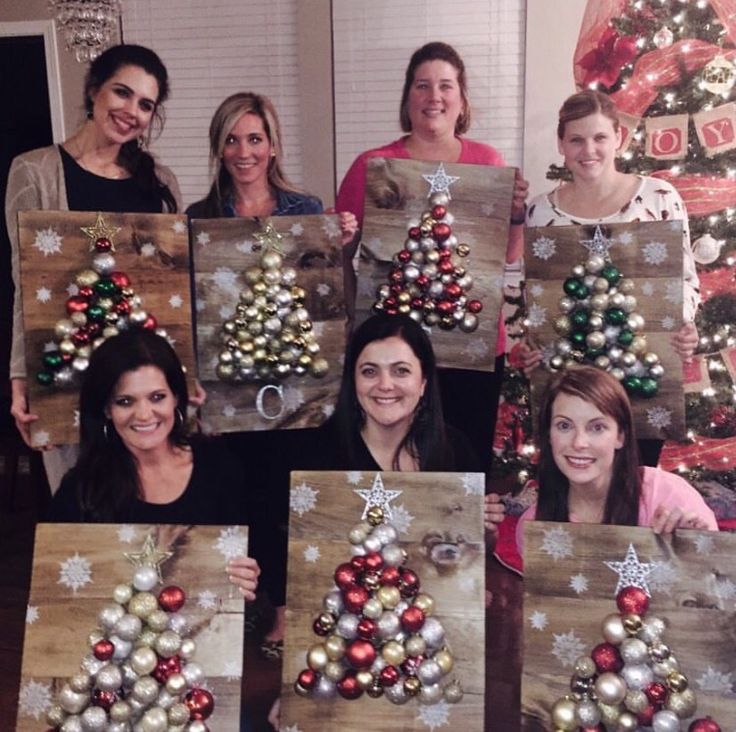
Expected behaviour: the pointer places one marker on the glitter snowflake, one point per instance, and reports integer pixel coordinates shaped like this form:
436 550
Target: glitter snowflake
200 305
659 417
75 418
715 681
703 543
311 554
34 699
225 279
207 600
567 648
354 477
473 484
725 589
179 227
43 294
203 238
41 438
673 291
231 543
536 290
536 316
655 252
148 249
327 410
488 209
290 728
647 289
232 671
476 350
127 533
579 583
176 300
331 227
302 498
434 715
366 288
557 543
663 576
229 411
468 584
401 519
72 289
538 620
296 229
318 328
625 238
293 398
668 322
170 339
544 248
226 312
48 241
75 572
31 614
323 289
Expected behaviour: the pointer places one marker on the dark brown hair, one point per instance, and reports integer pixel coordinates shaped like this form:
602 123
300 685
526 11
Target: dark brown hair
584 103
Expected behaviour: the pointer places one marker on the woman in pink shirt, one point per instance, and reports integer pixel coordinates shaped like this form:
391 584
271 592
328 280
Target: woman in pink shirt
589 469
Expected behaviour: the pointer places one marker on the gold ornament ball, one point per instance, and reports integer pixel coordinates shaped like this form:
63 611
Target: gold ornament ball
375 515
80 682
188 647
364 679
317 657
143 660
610 688
416 645
610 713
178 713
335 647
562 324
87 278
584 667
300 690
175 684
168 643
444 660
412 685
373 608
677 681
463 250
334 670
563 715
320 367
627 722
453 692
631 623
120 712
393 652
55 716
636 701
326 621
374 690
389 596
146 638
143 604
682 703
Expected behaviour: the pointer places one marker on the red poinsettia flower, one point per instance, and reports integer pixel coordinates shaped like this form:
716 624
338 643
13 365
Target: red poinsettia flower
604 63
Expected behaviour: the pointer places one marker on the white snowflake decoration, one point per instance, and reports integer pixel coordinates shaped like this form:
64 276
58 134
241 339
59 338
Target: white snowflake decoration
673 291
226 312
323 289
229 411
231 543
659 417
75 572
544 248
176 300
655 252
567 648
704 543
474 484
48 241
538 620
715 681
293 398
327 410
331 228
127 533
663 576
203 238
366 288
536 290
296 229
246 246
207 600
537 316
179 227
225 279
354 477
648 289
49 346
434 715
290 728
34 699
302 498
41 438
31 614
232 671
311 554
401 519
75 418
72 289
43 294
476 350
579 583
625 238
557 543
468 584
148 249
200 305
725 589
668 322
631 572
488 209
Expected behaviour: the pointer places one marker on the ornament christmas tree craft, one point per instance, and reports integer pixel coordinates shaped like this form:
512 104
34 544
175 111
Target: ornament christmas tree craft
104 303
271 335
429 281
599 323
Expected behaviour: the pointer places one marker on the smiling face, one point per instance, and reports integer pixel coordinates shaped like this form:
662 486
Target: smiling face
247 151
142 409
435 99
389 383
584 441
589 146
123 105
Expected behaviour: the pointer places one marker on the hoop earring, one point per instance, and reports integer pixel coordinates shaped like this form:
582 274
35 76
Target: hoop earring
178 418
141 142
104 431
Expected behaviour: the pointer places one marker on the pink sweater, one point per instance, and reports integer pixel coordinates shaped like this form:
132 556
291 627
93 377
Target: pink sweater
659 488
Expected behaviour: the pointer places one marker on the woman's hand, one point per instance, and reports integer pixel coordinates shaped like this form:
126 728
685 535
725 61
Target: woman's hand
199 397
666 520
243 572
19 410
274 716
518 200
494 512
530 358
348 226
685 341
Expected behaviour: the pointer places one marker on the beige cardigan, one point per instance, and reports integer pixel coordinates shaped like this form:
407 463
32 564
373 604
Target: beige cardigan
36 183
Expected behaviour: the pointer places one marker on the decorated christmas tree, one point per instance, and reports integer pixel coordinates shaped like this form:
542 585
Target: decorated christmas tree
271 335
378 632
139 673
102 304
427 282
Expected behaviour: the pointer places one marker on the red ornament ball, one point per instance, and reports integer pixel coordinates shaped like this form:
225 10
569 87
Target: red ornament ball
417 303
409 584
307 679
415 232
319 628
422 281
607 658
389 675
410 665
345 576
200 703
103 244
390 576
358 563
404 256
475 306
446 266
122 307
704 724
656 693
412 619
360 654
445 307
76 304
171 598
80 338
396 276
645 716
120 279
441 231
632 600
348 686
86 291
103 650
373 561
453 290
166 667
396 289
150 323
354 598
439 211
367 628
445 253
104 699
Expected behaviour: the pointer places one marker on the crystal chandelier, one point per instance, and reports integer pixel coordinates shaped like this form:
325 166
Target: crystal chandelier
87 25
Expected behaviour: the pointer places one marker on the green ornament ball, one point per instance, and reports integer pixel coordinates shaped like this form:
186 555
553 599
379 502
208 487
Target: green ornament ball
96 313
611 273
45 378
52 360
625 337
105 287
572 286
577 338
579 319
649 387
615 316
632 384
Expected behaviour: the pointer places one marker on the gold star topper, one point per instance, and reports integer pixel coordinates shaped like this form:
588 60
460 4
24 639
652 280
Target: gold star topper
268 238
149 556
100 231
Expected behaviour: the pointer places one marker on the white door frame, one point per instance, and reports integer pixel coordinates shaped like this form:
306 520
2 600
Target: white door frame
47 29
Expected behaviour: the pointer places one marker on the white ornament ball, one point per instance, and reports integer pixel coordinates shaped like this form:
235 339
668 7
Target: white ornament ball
665 721
610 688
634 651
155 720
146 689
706 249
637 676
145 578
122 594
108 616
128 628
109 678
430 694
